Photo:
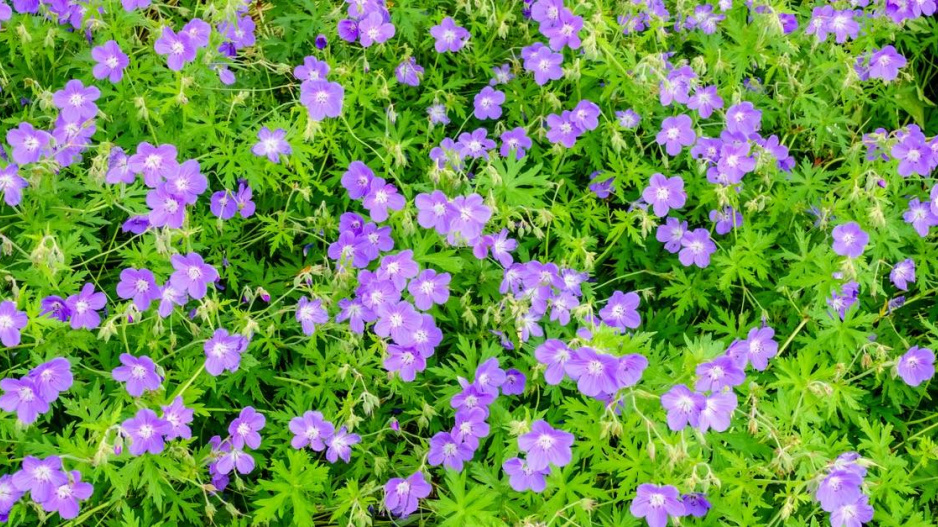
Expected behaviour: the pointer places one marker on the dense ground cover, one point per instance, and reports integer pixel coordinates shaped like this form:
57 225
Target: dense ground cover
468 263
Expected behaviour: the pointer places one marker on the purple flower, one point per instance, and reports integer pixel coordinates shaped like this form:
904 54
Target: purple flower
191 274
447 451
717 411
564 31
311 430
340 445
522 477
562 129
155 163
139 285
55 307
84 307
186 182
514 382
321 41
312 69
545 64
469 215
356 313
178 417
271 144
65 498
11 322
12 185
40 477
853 514
9 494
178 48
886 63
585 115
406 361
409 72
199 32
374 29
594 372
449 37
850 240
322 99
432 211
119 169
726 220
470 398
901 275
487 103
683 406
489 376
676 132
744 119
476 144
664 193
235 459
840 487
621 311
381 197
546 446
239 34
138 374
656 504
920 217
429 288
721 372
760 346
402 496
244 429
602 188
166 209
111 62
28 143
398 320
697 248
916 366
670 233
223 352
913 153
628 119
554 354
51 378
130 5
695 504
309 313
735 161
169 297
76 102
705 100
23 397
348 30
147 432
437 114
398 268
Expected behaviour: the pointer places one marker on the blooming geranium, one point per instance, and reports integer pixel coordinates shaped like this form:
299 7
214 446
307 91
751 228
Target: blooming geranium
223 352
656 504
522 477
916 366
546 446
850 240
177 47
697 248
676 132
488 103
271 144
84 307
322 99
311 430
12 322
244 430
192 274
402 496
309 313
147 432
664 193
449 37
137 373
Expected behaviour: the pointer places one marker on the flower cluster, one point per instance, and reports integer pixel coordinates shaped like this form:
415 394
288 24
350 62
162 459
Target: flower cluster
32 395
658 503
54 489
840 492
313 431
